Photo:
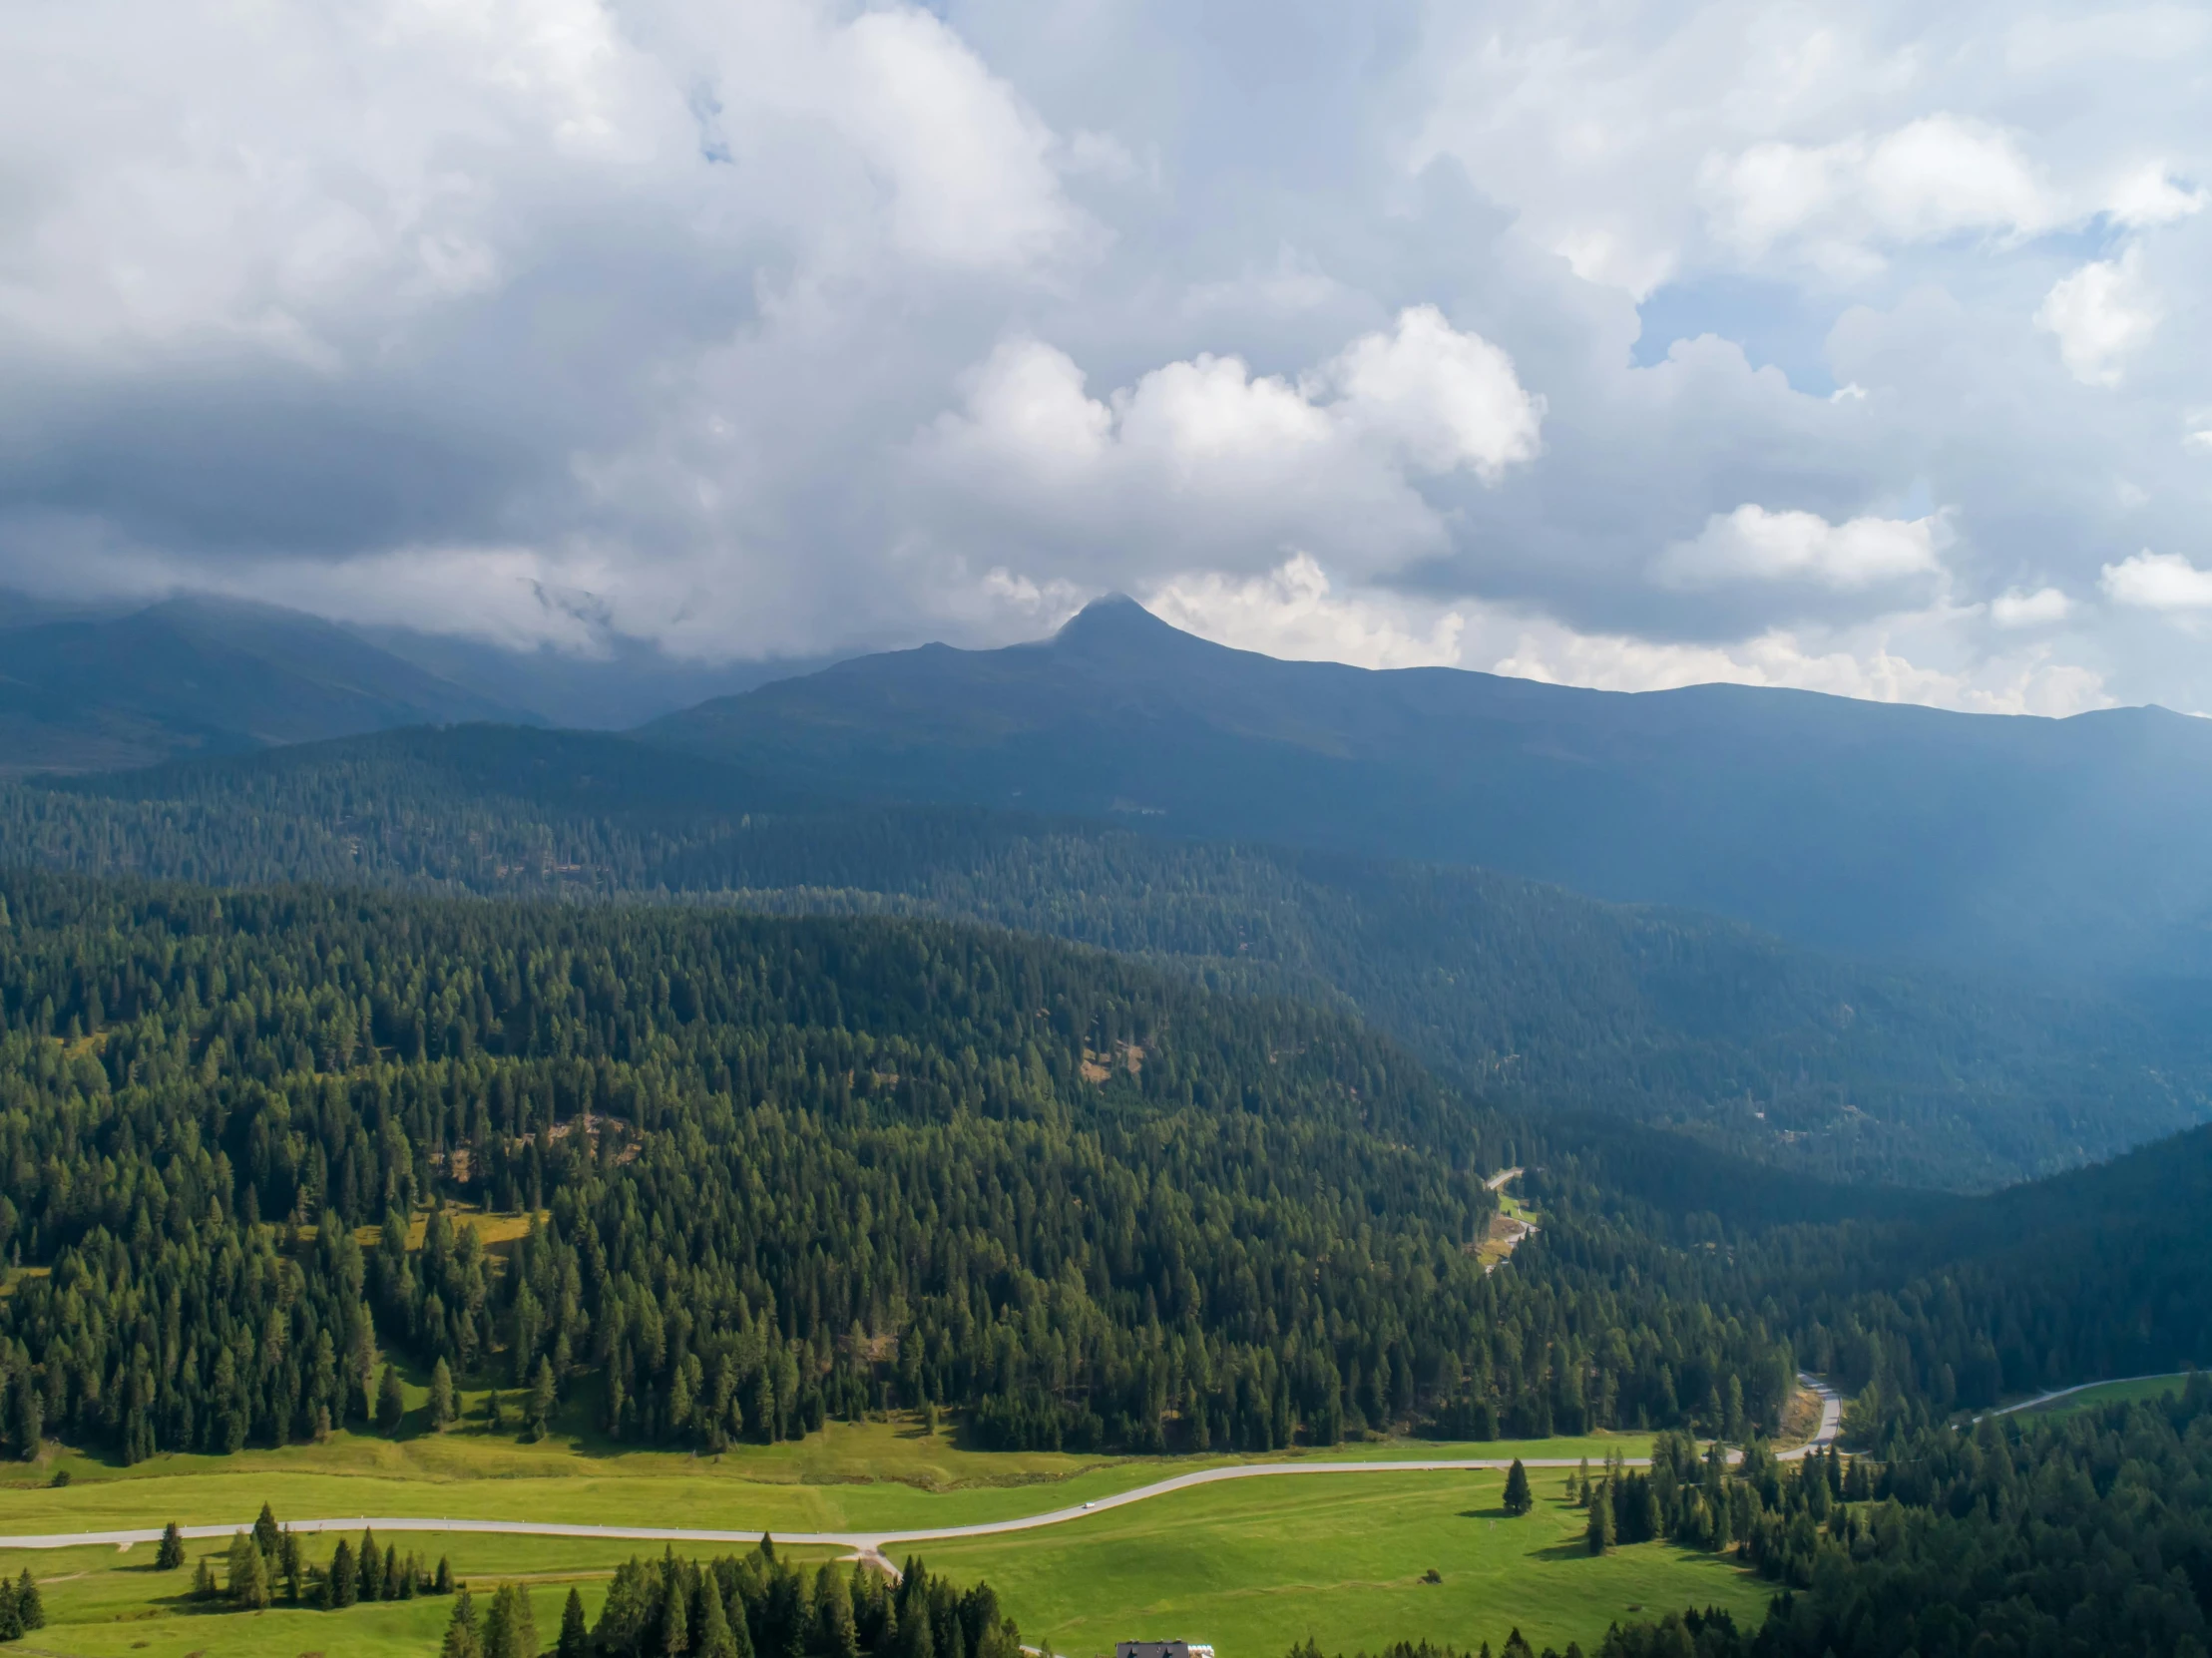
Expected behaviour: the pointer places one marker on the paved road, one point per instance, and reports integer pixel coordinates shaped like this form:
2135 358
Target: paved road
864 1541
876 1542
1497 1182
2078 1388
1831 1418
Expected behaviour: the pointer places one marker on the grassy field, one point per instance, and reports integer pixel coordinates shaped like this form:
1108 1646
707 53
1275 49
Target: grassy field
106 1603
849 1477
1256 1567
1253 1567
1238 1560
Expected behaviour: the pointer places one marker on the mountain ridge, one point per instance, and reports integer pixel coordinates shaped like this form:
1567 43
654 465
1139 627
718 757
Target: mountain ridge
1871 828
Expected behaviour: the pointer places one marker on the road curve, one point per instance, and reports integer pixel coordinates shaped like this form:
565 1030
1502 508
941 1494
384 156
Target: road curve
865 1541
2079 1388
877 1541
1831 1418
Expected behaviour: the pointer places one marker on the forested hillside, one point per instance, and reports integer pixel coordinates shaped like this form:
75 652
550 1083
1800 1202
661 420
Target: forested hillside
794 1168
1532 995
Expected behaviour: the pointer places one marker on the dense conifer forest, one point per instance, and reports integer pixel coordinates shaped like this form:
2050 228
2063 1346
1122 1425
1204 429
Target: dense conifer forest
1532 996
789 1168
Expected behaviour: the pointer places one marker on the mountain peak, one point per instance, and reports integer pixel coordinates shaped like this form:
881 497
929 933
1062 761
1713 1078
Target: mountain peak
1115 621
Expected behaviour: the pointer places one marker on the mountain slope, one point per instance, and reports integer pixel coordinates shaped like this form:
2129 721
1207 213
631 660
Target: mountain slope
1534 995
2062 845
203 676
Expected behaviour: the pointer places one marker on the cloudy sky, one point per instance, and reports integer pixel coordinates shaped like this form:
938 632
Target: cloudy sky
1846 346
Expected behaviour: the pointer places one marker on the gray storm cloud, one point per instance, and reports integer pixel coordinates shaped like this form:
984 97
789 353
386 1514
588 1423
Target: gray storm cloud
1851 348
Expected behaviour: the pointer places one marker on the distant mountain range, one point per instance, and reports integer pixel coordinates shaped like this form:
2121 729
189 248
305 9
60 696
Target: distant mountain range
96 688
204 676
2050 846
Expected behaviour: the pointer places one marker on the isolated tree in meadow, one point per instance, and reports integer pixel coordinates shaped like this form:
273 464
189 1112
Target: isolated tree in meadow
391 1401
461 1639
441 1395
1519 1499
266 1536
1581 1484
171 1553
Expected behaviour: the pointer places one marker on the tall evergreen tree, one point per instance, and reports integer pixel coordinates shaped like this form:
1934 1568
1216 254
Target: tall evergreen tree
575 1635
171 1552
1519 1499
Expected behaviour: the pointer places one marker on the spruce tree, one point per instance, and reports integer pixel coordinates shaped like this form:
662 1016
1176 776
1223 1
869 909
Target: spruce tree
542 1397
248 1580
345 1583
461 1640
30 1610
369 1574
1599 1532
442 1583
576 1636
441 1395
391 1401
1519 1499
676 1634
714 1637
265 1533
11 1621
171 1554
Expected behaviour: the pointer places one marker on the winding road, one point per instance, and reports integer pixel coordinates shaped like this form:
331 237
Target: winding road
876 1542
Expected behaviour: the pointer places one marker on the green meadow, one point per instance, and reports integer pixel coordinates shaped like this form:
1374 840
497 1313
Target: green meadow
1252 1565
1257 1567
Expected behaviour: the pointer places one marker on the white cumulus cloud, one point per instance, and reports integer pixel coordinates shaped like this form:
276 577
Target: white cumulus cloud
2102 315
1753 543
2158 581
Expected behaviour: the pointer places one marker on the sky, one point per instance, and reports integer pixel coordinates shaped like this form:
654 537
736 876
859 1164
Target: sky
1851 348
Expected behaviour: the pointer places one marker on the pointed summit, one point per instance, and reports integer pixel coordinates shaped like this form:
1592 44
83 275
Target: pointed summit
1115 622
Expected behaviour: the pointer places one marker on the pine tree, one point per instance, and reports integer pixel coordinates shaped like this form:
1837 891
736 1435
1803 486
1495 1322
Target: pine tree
441 1395
1519 1499
442 1583
248 1582
1581 1484
495 1412
369 1574
675 1635
1598 1533
714 1637
288 1563
345 1583
204 1581
11 1621
265 1533
30 1610
461 1640
541 1396
171 1554
576 1637
391 1401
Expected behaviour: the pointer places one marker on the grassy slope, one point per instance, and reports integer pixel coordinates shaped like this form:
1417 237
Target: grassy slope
101 1601
1252 1567
1257 1567
849 1477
